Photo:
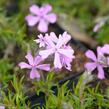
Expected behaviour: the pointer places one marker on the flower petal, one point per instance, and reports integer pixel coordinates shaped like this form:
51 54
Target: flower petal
90 66
37 40
51 17
66 52
34 74
2 107
30 59
100 72
90 54
45 67
63 39
38 59
57 61
40 37
53 37
23 65
41 45
34 9
46 9
45 53
60 41
66 62
105 49
43 26
49 41
99 51
32 20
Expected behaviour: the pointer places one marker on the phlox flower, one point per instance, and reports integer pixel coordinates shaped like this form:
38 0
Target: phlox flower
2 107
41 16
98 62
56 47
41 41
34 65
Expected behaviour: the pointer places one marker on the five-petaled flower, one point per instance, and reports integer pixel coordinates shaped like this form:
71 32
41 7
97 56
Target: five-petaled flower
99 62
41 41
34 65
63 53
41 16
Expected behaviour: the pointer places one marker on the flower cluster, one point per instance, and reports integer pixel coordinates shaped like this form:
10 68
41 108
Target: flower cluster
99 62
41 16
63 54
58 47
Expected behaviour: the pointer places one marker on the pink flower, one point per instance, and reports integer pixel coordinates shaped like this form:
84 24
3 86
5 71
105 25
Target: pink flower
55 46
99 62
34 65
41 41
2 107
41 16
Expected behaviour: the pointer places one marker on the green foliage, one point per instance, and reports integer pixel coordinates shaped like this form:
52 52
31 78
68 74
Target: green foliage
54 102
103 34
5 68
45 85
13 30
89 98
14 99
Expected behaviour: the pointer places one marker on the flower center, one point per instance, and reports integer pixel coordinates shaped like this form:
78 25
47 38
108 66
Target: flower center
42 39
